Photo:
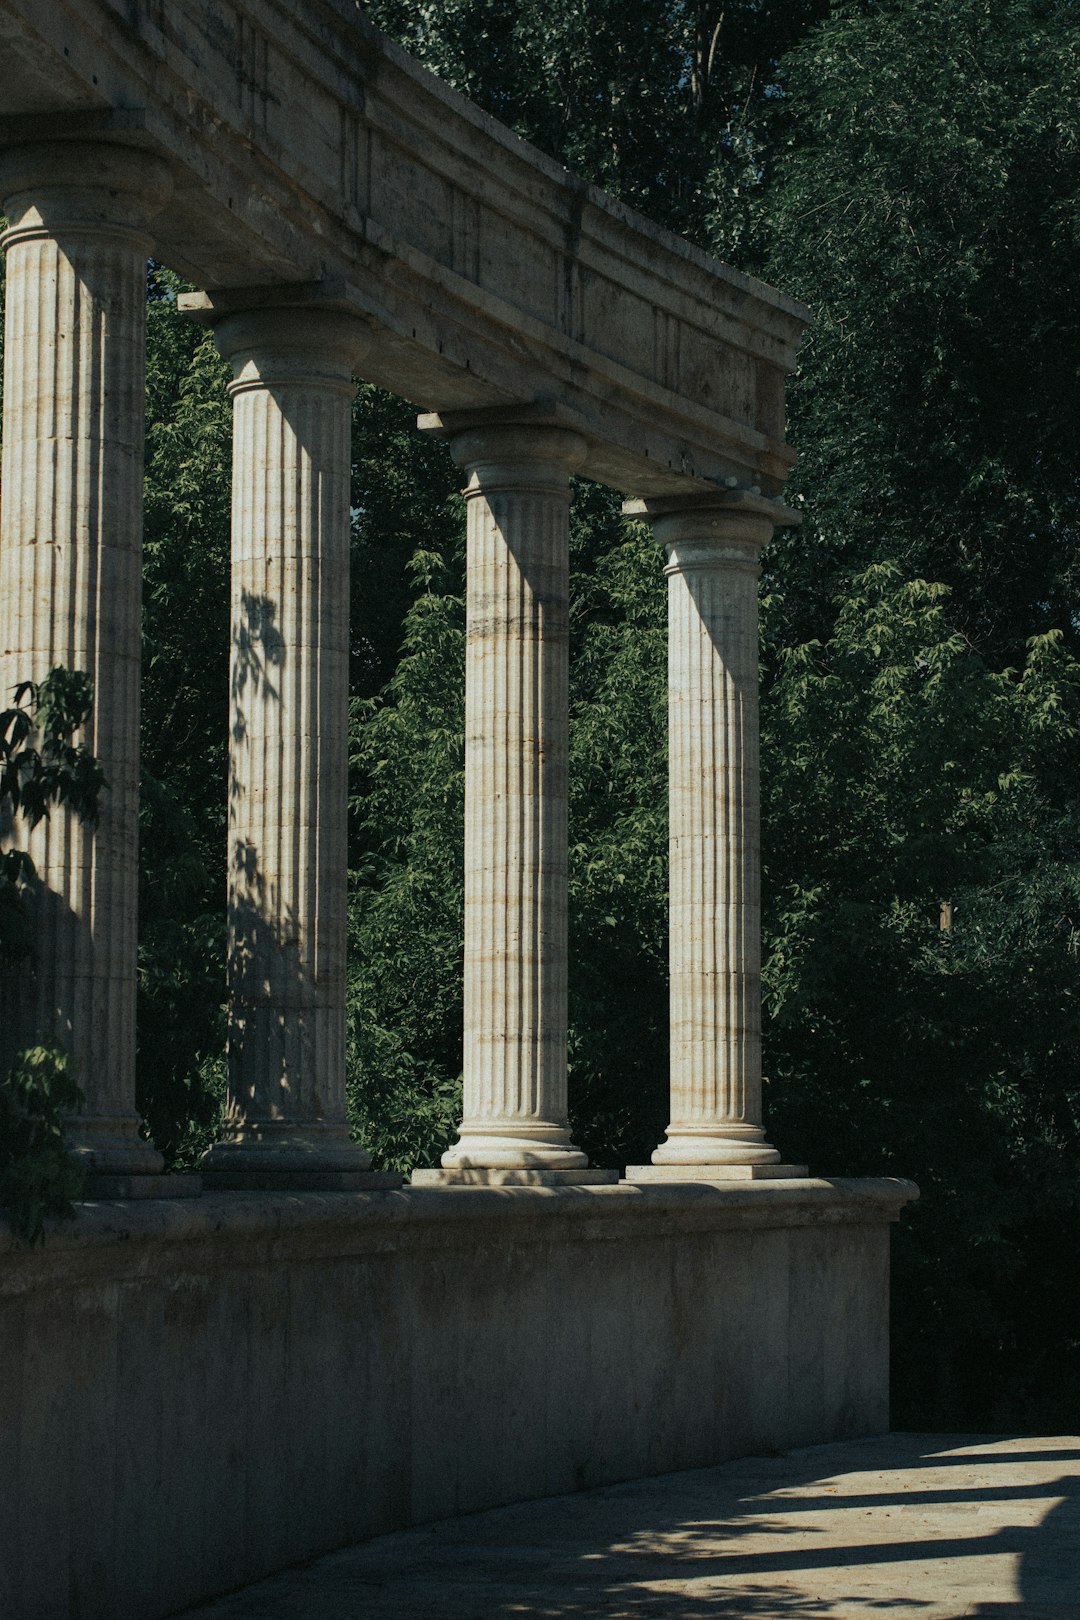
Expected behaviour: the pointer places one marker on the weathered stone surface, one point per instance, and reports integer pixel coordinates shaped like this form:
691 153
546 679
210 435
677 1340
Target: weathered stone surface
71 589
922 1527
198 1393
306 146
149 1185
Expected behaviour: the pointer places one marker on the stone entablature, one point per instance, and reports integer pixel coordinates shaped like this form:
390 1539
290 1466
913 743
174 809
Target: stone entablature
306 147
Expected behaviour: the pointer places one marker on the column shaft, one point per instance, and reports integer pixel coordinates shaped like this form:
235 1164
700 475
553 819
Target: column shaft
714 851
713 546
292 393
70 584
516 716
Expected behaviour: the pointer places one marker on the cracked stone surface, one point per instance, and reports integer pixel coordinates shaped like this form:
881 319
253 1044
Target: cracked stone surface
929 1526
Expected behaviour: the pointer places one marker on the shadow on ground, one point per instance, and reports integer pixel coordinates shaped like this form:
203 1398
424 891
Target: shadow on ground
936 1527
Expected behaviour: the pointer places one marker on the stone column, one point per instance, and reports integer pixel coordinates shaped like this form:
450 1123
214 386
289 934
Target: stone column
70 589
713 546
516 717
292 393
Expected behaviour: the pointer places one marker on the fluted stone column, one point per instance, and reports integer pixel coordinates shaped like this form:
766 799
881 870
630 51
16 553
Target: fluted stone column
292 392
713 546
516 717
70 589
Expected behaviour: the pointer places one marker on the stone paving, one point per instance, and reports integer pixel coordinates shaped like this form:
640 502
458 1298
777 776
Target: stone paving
929 1526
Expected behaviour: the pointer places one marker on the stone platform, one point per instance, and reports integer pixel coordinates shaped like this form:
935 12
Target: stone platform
933 1526
201 1392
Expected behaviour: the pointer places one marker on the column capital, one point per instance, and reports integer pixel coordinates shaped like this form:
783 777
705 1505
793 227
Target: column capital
52 187
285 344
725 528
521 447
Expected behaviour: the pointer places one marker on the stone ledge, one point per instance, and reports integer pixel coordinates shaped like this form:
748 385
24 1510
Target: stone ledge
127 1239
319 1181
485 1176
100 1185
713 1174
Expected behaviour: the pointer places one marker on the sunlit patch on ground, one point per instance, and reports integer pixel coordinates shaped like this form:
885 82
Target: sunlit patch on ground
932 1527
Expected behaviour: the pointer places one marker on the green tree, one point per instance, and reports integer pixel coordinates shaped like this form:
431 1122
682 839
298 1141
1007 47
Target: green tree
618 833
904 770
925 204
182 819
921 678
41 767
404 1045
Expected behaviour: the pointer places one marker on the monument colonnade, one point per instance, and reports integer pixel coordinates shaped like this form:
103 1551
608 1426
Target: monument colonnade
232 1384
82 223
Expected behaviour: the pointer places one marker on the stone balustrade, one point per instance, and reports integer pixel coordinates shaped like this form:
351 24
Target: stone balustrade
199 1393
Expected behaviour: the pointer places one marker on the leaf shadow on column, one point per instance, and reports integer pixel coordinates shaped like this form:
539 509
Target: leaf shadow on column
268 991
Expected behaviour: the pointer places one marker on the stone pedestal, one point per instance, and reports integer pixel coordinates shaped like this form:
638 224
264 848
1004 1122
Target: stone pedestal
292 392
578 1335
514 1128
70 592
713 545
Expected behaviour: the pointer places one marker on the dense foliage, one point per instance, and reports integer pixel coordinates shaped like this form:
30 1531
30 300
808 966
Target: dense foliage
38 1176
910 169
923 706
184 731
41 767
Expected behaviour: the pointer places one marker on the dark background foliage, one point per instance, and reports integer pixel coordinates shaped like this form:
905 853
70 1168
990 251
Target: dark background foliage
42 767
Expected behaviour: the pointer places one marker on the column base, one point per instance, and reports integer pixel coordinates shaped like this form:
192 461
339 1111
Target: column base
104 1185
659 1173
543 1145
727 1142
112 1147
490 1176
273 1157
